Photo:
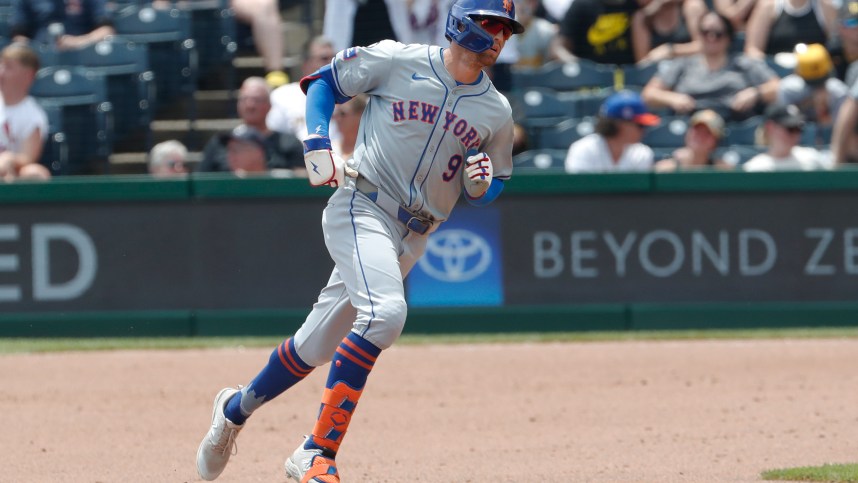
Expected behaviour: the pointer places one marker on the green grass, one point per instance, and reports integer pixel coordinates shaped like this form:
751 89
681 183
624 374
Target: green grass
843 473
18 345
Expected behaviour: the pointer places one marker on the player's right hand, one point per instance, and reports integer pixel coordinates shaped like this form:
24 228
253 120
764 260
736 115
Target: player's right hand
324 167
478 175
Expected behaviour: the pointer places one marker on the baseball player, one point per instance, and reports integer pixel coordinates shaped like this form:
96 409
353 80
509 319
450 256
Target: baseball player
434 128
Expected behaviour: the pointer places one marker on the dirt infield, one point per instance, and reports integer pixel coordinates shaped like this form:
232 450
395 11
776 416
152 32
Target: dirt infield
703 411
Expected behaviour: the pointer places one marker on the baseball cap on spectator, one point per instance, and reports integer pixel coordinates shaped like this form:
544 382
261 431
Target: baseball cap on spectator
628 106
243 132
813 63
786 115
711 119
848 13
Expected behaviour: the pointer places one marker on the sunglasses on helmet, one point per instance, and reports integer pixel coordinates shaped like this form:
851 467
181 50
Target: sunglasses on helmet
494 26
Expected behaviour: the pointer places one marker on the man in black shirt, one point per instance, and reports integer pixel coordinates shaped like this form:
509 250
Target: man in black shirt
599 30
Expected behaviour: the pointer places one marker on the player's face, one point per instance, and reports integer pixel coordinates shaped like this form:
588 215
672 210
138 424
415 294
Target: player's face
501 32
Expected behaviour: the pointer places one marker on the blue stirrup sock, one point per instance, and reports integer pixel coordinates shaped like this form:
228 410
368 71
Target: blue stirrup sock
284 370
350 367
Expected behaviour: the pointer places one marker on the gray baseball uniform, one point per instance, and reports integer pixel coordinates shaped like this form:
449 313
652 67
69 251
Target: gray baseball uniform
411 150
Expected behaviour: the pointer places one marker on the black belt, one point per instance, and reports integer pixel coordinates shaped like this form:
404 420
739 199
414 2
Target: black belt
411 221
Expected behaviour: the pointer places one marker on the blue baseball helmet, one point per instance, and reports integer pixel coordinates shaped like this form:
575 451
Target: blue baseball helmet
462 28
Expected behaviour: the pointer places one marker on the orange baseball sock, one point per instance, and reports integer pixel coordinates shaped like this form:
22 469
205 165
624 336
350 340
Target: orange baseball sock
350 368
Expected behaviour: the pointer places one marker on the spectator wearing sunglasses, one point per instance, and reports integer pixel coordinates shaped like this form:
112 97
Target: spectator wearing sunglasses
167 159
782 133
733 85
778 26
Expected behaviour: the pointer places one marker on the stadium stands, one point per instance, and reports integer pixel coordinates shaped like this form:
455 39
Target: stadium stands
541 159
214 28
635 77
582 74
87 115
172 49
563 134
55 155
669 134
130 83
161 60
557 104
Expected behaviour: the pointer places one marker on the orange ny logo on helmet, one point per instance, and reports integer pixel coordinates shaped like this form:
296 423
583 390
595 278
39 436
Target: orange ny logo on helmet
507 5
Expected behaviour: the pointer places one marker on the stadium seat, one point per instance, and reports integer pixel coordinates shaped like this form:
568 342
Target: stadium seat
87 114
214 29
540 159
669 134
589 102
738 154
563 134
172 49
541 102
5 14
55 155
116 5
582 74
743 132
809 136
130 83
823 134
635 76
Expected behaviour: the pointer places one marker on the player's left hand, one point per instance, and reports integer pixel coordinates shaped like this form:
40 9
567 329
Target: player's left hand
478 175
324 166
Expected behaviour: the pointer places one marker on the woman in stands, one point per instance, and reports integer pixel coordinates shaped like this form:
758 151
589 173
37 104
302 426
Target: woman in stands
733 85
705 131
778 25
665 29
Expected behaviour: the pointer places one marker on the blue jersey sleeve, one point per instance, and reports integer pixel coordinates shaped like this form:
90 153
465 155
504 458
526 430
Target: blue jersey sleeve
491 194
321 98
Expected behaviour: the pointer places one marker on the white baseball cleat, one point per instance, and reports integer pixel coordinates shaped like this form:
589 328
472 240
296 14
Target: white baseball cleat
311 466
219 443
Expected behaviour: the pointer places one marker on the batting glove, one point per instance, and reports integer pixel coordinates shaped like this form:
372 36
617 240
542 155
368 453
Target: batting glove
478 175
325 167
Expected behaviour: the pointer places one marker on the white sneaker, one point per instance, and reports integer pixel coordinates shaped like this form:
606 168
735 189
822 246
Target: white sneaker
219 443
311 466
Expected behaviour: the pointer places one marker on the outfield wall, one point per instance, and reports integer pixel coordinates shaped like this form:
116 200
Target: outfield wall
214 255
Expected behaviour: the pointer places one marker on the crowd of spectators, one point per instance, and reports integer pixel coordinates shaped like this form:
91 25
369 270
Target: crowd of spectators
714 64
720 66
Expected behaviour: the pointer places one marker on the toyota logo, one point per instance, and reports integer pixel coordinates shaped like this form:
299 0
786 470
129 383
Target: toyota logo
456 256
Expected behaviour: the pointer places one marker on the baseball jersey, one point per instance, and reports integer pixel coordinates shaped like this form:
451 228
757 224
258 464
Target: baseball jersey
420 123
